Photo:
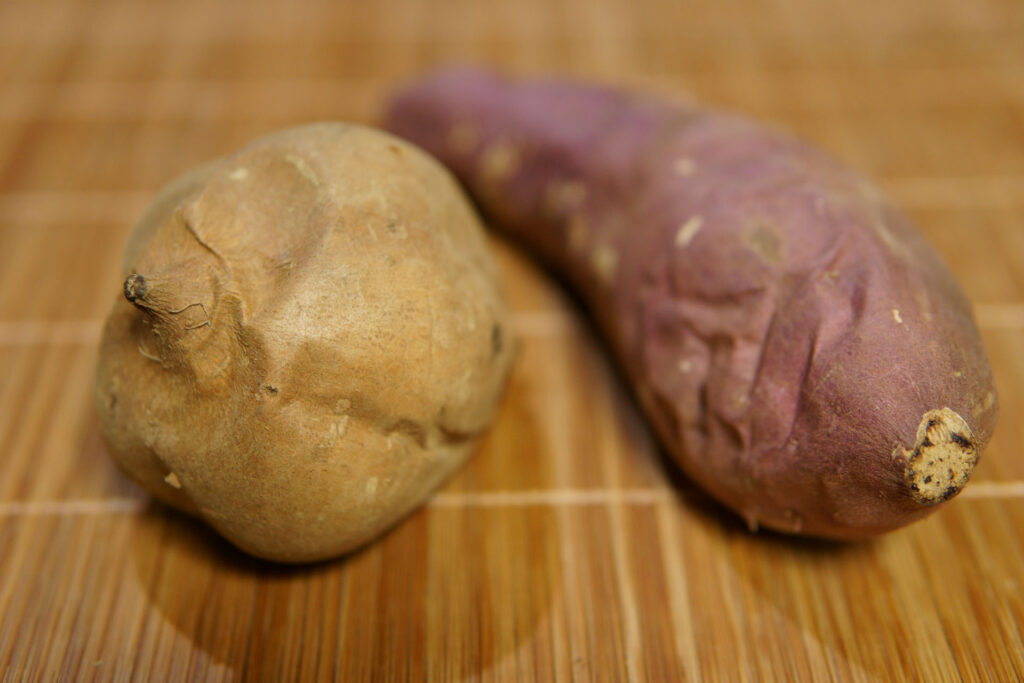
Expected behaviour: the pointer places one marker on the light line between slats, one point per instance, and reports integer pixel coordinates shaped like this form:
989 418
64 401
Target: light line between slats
982 490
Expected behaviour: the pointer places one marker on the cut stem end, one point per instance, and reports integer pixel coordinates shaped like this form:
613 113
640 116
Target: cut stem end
135 288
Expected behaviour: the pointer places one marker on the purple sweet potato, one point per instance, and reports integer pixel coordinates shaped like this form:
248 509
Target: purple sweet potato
802 352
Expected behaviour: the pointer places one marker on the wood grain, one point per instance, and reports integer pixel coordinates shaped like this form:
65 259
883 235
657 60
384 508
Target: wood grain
567 549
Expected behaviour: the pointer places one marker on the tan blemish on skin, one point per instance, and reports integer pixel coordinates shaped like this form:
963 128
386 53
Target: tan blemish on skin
685 366
684 166
342 406
942 458
371 486
562 196
173 481
303 168
896 316
500 161
924 303
239 174
688 230
764 241
605 261
579 233
463 138
986 404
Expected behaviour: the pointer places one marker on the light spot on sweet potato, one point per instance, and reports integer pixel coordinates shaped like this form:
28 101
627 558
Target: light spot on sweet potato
924 304
239 174
371 486
688 230
562 196
579 233
500 161
173 481
463 138
605 261
685 366
896 316
986 404
764 240
942 458
684 166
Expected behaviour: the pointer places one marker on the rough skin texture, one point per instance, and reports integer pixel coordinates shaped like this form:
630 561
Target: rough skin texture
803 353
310 339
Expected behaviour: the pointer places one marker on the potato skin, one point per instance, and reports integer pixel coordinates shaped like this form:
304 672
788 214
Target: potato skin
802 352
314 337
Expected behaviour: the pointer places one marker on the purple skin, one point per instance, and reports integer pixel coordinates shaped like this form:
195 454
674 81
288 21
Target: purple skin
803 353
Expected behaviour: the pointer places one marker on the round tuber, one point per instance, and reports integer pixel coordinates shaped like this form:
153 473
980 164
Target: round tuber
311 338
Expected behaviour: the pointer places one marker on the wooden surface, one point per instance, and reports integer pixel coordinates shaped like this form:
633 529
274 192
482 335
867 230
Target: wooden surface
566 549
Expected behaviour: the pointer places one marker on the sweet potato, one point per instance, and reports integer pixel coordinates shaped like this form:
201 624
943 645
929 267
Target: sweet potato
310 339
800 349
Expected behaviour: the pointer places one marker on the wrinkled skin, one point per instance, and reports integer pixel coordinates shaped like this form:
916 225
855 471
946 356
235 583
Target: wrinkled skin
311 338
801 350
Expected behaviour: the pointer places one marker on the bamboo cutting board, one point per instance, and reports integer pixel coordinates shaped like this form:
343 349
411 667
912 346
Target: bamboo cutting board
567 549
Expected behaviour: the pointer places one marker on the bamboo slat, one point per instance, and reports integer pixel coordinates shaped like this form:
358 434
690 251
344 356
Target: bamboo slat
567 548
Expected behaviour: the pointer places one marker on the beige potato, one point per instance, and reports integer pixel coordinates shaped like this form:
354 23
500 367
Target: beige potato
311 338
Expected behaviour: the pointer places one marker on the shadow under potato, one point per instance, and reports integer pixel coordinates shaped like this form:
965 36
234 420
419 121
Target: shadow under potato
370 615
237 609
